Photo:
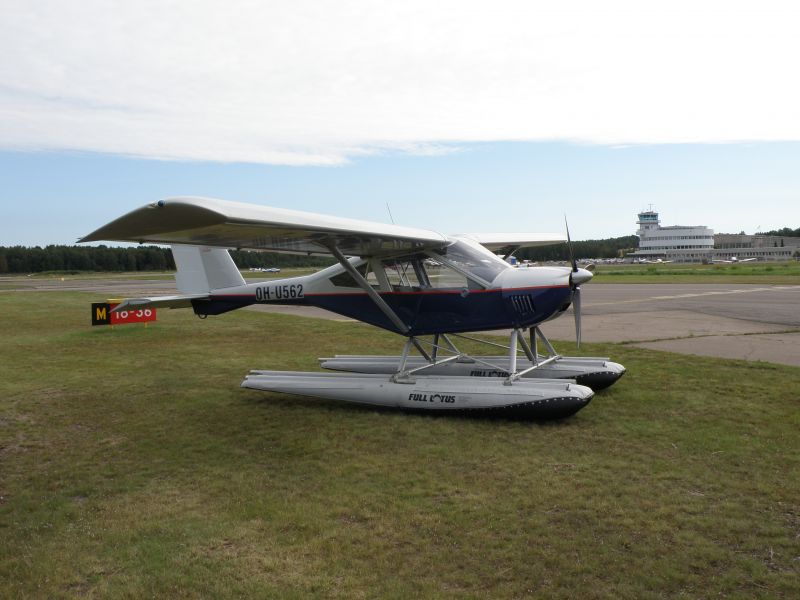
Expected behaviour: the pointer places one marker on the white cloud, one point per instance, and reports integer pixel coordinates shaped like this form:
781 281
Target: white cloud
319 82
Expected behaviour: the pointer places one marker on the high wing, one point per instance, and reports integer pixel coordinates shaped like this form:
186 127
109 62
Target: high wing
508 243
221 223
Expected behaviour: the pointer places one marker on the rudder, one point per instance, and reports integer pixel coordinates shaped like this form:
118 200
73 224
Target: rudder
202 269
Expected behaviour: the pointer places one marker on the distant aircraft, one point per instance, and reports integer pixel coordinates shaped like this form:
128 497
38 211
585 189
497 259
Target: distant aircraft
657 261
734 259
428 287
516 263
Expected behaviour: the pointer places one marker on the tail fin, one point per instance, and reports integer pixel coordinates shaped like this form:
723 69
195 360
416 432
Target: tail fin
202 269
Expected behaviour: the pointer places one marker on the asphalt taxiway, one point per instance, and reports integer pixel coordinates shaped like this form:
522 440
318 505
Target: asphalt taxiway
750 321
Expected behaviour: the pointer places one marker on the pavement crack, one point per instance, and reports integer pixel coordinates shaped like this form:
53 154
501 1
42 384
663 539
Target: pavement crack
705 335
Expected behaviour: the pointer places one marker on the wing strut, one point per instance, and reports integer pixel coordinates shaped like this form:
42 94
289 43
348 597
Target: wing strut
364 285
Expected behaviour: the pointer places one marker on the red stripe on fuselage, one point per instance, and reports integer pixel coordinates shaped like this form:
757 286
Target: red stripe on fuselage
420 293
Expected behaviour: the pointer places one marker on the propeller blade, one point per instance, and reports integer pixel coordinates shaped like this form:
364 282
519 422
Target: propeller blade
576 309
571 249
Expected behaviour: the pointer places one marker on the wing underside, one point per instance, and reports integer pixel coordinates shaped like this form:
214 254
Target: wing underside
508 243
220 223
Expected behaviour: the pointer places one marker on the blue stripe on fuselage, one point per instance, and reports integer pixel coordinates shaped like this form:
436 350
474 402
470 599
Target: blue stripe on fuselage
429 312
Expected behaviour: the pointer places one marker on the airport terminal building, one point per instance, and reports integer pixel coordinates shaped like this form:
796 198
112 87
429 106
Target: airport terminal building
762 247
678 243
698 243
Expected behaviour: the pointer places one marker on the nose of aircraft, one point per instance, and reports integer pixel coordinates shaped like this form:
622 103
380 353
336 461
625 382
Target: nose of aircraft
581 276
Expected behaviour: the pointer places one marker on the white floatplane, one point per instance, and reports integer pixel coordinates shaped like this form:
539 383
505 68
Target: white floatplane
733 259
432 289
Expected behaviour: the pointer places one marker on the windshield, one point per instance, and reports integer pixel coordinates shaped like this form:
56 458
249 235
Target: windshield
474 259
412 273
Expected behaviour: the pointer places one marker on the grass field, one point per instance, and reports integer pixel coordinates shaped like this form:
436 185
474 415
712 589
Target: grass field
768 273
132 464
772 273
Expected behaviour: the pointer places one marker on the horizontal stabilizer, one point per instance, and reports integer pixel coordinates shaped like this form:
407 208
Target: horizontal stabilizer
160 302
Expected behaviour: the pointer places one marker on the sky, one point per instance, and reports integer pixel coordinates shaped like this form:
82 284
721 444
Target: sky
461 116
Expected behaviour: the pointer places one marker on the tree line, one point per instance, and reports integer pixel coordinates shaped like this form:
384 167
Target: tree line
22 259
785 232
608 248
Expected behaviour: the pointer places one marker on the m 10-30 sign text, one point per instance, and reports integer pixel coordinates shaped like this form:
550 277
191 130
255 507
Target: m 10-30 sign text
102 314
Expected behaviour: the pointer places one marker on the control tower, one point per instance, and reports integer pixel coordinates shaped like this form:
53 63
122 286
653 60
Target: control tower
678 243
648 222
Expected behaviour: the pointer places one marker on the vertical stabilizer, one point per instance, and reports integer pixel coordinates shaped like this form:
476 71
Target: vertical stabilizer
202 269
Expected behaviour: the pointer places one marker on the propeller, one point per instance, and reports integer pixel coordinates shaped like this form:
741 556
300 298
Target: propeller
575 283
571 249
576 309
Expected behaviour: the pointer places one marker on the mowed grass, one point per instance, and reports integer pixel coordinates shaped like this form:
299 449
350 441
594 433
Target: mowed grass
767 273
132 464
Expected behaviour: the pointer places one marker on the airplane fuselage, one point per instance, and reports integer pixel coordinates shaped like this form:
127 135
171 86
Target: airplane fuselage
518 299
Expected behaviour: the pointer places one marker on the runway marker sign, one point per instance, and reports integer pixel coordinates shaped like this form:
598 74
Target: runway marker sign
102 314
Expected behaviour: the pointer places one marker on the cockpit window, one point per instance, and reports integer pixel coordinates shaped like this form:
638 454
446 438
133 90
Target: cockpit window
441 276
474 259
402 275
417 272
344 279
